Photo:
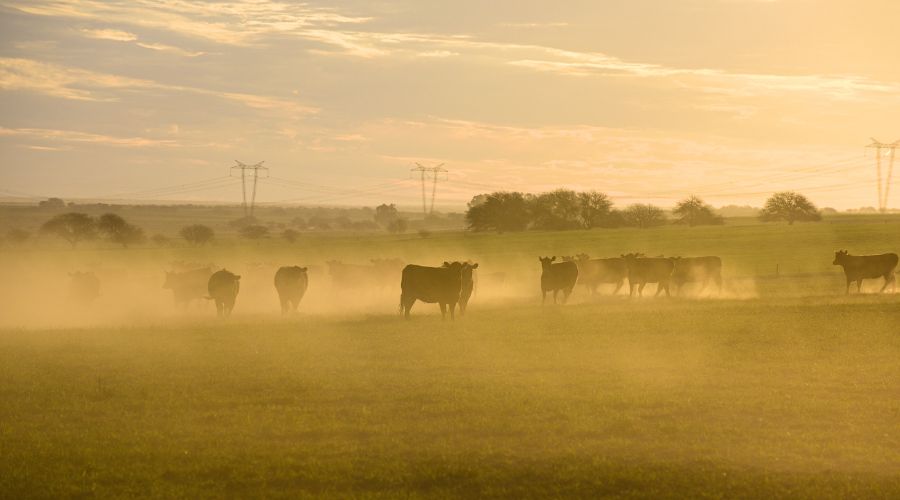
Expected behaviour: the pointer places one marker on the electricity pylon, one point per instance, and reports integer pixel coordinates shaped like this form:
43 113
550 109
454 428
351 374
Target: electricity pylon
886 190
434 171
255 169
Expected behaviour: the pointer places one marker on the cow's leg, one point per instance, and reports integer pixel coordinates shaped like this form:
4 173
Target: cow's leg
220 308
443 311
543 297
566 293
406 304
555 292
285 305
453 311
641 289
848 284
618 287
859 285
888 279
631 289
664 286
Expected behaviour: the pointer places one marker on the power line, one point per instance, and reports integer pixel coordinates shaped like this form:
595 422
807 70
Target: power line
878 146
255 169
434 171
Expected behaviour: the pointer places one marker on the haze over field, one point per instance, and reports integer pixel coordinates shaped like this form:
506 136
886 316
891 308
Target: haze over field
647 100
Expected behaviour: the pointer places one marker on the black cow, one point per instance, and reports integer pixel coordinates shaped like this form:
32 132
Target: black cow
223 288
860 267
84 287
643 270
441 285
697 270
291 283
594 272
467 287
556 277
188 285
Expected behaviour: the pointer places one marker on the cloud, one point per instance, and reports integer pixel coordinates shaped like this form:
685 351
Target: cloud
109 34
79 84
73 136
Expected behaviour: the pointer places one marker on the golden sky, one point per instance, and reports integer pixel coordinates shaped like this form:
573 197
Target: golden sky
646 100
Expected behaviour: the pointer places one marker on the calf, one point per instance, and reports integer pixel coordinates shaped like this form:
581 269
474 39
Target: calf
556 277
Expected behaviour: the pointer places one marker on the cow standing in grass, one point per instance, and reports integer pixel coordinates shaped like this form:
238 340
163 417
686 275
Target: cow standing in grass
697 270
556 277
291 284
467 287
223 288
188 285
594 272
860 267
441 285
643 270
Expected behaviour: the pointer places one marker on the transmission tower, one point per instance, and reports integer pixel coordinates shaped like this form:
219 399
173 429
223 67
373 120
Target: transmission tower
435 173
886 190
248 210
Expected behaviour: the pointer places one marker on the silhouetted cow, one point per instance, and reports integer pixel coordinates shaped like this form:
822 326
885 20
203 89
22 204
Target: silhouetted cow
467 287
860 267
643 270
188 285
594 272
697 270
84 287
556 277
291 283
441 285
223 288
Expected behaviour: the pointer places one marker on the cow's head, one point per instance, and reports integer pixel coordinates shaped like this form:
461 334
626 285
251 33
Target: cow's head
583 257
302 269
839 257
453 266
546 262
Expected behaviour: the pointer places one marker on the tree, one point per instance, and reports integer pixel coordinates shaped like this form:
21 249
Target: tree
17 236
556 210
595 210
197 234
386 214
789 206
117 230
398 226
55 203
643 216
694 212
290 235
73 227
500 211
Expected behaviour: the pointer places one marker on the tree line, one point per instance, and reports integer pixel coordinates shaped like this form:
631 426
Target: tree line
565 209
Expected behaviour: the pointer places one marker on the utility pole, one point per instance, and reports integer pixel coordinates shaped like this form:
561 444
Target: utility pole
435 172
248 211
884 191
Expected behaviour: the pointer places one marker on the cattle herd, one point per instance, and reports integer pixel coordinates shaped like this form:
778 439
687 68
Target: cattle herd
453 283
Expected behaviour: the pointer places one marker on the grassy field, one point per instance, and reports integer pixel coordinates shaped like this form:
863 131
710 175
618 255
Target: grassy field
784 387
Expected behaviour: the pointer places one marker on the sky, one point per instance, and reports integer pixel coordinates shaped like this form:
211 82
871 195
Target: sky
645 100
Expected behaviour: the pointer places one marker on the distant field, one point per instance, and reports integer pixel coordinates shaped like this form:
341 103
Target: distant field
780 387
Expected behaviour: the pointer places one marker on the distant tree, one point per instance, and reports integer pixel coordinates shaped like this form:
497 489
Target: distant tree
829 211
386 214
643 216
398 226
364 225
290 235
117 230
161 240
789 206
556 210
500 211
17 236
595 210
694 212
343 222
73 227
197 234
299 222
253 232
320 222
55 203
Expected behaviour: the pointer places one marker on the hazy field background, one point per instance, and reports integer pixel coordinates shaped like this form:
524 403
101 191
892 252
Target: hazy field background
781 387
